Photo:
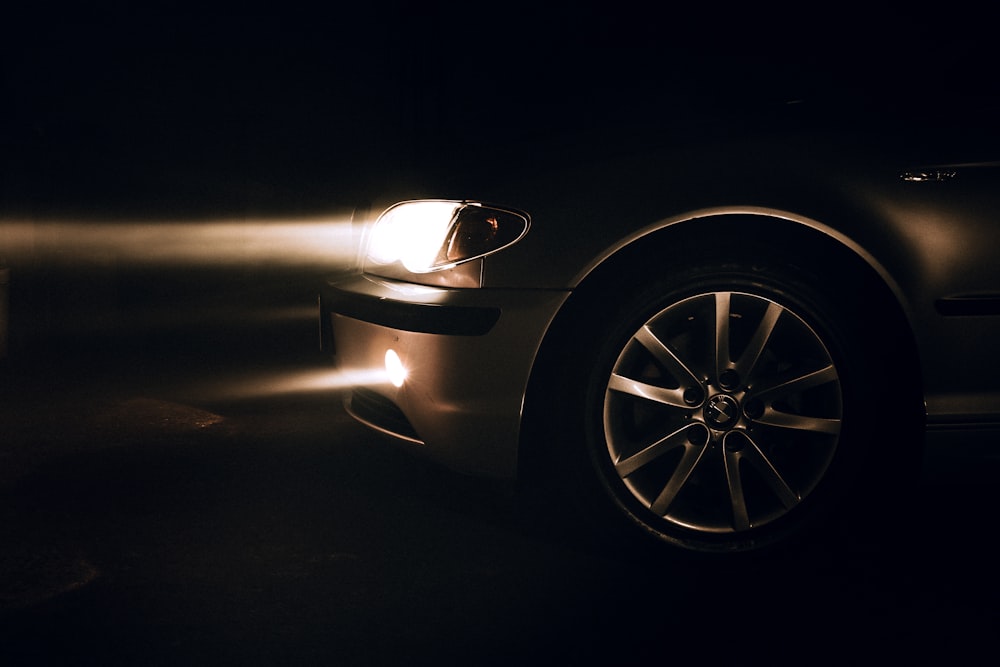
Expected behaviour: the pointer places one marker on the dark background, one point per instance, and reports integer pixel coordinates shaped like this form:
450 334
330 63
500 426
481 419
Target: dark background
291 107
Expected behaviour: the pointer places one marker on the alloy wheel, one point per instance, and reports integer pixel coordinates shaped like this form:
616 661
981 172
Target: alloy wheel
722 413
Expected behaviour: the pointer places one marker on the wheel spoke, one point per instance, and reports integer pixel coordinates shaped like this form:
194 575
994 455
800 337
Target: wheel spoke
678 438
756 457
781 419
741 517
666 356
722 360
789 387
620 383
748 360
689 461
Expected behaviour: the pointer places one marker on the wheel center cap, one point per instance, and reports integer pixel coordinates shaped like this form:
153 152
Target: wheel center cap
722 412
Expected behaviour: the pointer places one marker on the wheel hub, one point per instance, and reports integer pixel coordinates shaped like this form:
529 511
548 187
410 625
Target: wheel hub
722 412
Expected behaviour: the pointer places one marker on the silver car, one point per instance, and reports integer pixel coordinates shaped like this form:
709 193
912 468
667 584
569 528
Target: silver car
714 341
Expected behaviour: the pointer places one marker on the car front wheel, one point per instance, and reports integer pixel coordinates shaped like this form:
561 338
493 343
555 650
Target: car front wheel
729 405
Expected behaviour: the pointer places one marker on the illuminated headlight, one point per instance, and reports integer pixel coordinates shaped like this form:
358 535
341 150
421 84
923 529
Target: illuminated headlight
429 235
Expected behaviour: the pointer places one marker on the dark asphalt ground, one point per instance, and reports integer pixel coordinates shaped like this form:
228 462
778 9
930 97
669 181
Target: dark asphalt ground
148 519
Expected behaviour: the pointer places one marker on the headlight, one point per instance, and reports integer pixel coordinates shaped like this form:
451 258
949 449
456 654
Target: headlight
429 235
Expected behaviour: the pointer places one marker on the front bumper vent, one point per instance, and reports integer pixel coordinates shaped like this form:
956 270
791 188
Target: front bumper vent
380 413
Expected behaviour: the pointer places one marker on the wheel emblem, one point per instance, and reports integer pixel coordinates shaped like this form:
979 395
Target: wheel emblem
721 412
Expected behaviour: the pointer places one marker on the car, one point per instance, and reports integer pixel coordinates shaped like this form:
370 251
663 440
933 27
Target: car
716 338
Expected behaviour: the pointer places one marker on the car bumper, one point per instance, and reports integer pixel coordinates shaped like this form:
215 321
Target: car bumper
468 354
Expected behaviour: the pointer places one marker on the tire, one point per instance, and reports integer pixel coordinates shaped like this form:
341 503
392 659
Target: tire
730 405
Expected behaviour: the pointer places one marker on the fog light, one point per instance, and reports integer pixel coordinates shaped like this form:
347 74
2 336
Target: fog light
394 368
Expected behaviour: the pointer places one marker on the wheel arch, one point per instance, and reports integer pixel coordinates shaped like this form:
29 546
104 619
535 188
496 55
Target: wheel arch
745 224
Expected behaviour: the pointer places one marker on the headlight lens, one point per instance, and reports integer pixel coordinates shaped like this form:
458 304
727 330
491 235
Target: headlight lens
429 235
